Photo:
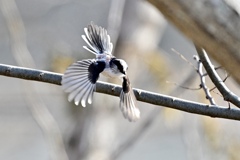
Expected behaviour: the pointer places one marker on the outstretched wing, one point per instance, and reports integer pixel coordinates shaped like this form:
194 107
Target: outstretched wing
128 102
80 78
97 39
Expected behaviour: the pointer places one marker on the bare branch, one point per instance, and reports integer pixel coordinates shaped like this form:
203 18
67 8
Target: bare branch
210 24
223 81
141 95
30 74
216 68
218 82
34 102
203 81
199 70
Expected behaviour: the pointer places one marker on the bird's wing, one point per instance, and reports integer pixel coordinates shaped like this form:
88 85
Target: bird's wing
97 39
128 102
80 78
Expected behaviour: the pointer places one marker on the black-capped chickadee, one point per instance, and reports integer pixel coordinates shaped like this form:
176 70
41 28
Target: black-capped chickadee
80 78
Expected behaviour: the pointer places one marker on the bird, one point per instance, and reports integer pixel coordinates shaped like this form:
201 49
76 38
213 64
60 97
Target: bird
79 79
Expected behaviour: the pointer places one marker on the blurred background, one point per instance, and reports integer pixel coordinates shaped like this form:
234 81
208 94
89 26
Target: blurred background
36 120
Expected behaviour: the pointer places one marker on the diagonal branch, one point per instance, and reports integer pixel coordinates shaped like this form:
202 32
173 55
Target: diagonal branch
218 82
141 95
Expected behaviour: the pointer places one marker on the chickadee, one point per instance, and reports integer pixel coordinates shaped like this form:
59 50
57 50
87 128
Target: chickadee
79 80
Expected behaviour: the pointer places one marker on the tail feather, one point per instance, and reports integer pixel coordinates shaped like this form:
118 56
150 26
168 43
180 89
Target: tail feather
97 39
128 102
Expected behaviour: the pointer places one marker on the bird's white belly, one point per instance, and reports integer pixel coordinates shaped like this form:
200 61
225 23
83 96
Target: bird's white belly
111 74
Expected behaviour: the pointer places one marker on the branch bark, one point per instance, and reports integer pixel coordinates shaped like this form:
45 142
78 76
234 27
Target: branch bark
22 56
210 24
141 95
203 81
218 82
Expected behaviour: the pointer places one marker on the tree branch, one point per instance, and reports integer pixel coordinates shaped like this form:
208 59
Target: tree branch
30 74
148 121
141 95
203 81
36 105
210 24
218 82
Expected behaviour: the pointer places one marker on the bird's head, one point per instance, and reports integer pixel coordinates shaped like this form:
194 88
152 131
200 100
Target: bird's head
120 65
123 66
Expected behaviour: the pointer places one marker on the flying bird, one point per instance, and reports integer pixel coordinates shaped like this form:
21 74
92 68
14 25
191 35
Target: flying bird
79 80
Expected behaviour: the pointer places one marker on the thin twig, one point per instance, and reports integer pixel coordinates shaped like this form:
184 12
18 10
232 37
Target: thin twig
203 81
199 70
223 89
216 68
184 87
224 80
141 95
183 58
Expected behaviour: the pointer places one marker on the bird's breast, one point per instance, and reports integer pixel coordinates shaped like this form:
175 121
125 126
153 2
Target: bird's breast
109 72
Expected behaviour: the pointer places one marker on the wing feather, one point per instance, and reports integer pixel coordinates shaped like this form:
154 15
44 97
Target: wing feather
79 80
